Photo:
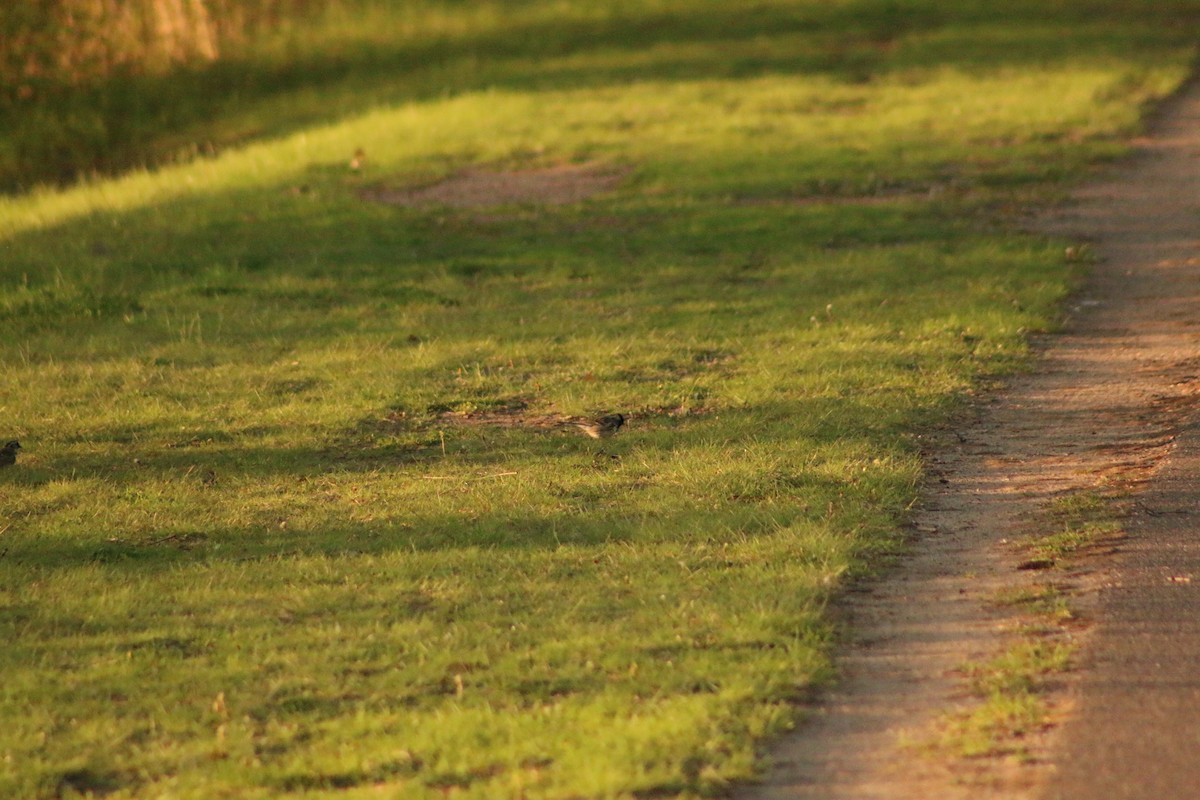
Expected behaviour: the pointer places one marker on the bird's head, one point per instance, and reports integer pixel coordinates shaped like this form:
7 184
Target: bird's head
13 445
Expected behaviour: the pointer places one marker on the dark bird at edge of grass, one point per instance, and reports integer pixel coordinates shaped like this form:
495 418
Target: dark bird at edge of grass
8 453
603 427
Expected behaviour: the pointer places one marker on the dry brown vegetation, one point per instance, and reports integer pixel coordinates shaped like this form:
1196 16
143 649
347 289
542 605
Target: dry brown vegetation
48 43
96 86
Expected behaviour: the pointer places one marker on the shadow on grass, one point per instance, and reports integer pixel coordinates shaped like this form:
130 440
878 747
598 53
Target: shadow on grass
323 254
504 530
586 494
133 121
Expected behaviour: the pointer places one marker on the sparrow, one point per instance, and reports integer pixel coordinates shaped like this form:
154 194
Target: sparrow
8 453
603 427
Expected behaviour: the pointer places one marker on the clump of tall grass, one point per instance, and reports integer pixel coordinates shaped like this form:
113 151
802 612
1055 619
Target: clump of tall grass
67 69
70 42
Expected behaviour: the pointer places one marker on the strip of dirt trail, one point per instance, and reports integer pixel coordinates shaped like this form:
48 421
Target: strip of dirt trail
1110 399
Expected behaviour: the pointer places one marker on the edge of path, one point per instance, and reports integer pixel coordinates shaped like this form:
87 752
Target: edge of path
1100 414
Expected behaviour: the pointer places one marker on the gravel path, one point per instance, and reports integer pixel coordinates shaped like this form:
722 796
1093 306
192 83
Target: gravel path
1136 732
1110 404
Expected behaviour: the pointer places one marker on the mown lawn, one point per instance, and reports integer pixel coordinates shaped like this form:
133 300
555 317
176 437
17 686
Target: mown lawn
289 519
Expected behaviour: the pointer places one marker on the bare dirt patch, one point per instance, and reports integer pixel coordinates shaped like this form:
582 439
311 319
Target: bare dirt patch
562 184
507 419
514 413
882 196
1100 415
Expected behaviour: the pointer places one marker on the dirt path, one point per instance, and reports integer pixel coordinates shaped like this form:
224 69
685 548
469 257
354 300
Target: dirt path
1110 399
1135 734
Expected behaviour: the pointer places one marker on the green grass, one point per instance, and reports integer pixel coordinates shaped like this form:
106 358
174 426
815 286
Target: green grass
256 547
1014 686
1011 688
1012 706
1078 521
368 54
1045 601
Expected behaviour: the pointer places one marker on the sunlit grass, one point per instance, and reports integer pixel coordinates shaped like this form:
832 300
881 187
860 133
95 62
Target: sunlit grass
281 524
775 136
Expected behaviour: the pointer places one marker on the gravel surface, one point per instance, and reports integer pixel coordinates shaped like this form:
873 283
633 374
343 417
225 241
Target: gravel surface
1110 408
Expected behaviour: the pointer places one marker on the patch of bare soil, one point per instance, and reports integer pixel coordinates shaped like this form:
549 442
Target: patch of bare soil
562 184
514 415
1101 413
509 419
881 196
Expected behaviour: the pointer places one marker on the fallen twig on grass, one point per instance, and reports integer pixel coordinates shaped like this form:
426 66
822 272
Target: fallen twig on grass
477 477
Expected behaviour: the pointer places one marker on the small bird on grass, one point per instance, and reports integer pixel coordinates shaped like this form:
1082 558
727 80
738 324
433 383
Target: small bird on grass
8 453
603 427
